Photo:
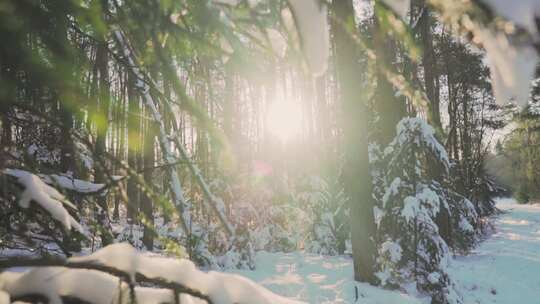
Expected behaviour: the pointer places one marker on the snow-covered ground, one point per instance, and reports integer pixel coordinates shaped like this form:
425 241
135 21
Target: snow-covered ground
317 279
504 269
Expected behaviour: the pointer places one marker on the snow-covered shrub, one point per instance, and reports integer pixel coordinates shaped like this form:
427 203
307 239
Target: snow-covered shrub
464 221
414 210
27 205
483 196
242 254
266 209
325 201
276 232
523 194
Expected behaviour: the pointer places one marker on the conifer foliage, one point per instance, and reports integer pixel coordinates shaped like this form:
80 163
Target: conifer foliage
411 247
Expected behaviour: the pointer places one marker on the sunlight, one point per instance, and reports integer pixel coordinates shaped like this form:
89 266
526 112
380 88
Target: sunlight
284 119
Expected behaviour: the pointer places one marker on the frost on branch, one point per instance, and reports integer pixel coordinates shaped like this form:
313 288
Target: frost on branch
45 196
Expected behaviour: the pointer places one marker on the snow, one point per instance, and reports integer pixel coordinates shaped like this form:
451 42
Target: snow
511 55
312 24
378 214
512 66
422 134
54 282
317 279
523 12
504 268
47 197
4 298
222 288
393 249
411 206
424 205
392 190
465 225
400 7
73 184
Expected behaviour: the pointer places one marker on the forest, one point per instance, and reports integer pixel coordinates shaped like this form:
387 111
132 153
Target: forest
269 151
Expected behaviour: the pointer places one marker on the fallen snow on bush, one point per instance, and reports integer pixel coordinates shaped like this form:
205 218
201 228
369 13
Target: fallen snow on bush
46 196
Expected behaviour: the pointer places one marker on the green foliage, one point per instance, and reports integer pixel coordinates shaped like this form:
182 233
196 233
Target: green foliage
523 194
517 165
418 216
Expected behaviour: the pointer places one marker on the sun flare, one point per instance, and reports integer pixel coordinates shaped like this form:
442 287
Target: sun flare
284 119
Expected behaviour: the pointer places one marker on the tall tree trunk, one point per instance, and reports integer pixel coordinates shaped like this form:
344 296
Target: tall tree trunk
134 147
431 82
102 122
5 100
146 202
67 161
390 109
431 78
356 174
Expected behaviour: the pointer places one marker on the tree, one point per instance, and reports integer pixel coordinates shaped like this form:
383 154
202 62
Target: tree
411 203
355 116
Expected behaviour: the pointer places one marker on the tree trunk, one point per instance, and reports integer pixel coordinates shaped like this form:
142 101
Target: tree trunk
431 78
102 120
146 201
390 109
356 174
134 147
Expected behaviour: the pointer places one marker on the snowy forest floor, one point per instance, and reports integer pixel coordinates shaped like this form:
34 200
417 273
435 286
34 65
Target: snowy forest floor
503 269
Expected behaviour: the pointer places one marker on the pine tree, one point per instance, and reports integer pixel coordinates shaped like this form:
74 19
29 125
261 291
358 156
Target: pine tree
410 245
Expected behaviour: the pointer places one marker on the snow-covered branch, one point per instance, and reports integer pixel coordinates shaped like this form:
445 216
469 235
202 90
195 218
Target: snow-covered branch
122 261
45 196
168 155
212 202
